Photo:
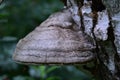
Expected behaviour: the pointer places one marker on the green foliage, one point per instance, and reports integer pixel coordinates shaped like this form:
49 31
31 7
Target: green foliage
18 17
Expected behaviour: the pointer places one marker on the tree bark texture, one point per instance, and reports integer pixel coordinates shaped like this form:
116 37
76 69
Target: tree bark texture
100 20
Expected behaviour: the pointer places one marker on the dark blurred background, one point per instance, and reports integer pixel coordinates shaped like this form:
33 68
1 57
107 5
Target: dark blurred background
17 19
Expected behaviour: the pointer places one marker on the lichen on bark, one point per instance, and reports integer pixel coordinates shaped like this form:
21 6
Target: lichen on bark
103 25
114 10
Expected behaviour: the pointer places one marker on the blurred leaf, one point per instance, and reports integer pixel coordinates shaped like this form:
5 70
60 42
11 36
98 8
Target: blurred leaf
22 78
50 69
7 46
42 71
53 78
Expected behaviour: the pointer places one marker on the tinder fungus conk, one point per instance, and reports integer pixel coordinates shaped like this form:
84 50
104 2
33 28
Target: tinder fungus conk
53 44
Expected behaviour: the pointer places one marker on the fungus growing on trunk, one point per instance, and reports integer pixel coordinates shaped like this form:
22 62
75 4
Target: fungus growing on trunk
55 41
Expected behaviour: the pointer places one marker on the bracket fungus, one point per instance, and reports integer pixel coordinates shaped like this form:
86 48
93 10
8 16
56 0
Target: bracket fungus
55 41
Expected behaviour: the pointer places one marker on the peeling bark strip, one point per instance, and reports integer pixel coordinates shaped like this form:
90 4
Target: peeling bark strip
114 9
101 28
104 28
75 9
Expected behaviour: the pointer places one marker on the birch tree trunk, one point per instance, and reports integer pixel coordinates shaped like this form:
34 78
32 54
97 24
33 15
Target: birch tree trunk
103 25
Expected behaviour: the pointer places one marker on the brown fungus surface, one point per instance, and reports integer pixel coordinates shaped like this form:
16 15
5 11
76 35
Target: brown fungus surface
54 43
